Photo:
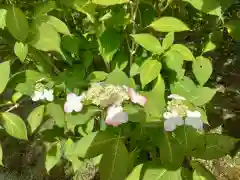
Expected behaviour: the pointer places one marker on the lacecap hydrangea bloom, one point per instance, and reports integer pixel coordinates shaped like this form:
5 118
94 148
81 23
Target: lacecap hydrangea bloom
42 93
178 114
106 96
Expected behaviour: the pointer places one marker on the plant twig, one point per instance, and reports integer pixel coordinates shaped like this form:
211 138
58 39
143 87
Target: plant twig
134 10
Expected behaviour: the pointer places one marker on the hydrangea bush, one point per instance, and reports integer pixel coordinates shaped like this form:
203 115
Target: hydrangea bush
116 81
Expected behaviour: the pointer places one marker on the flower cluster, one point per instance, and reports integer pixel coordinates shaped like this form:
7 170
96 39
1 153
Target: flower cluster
41 93
178 114
106 96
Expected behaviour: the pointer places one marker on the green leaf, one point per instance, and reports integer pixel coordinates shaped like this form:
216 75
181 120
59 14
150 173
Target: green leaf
86 7
216 146
210 46
136 173
212 7
233 27
149 70
168 41
149 42
202 69
1 155
35 117
76 163
117 77
69 147
155 99
183 87
169 24
55 111
21 50
93 144
201 95
47 38
120 60
58 24
4 75
3 14
155 171
73 120
53 156
73 43
43 8
115 158
134 69
97 76
183 50
201 173
174 60
186 136
14 125
109 2
108 45
17 23
173 152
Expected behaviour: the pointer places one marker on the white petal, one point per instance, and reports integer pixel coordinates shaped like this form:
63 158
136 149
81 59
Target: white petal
67 107
78 107
71 97
193 114
136 97
194 122
38 95
169 125
178 121
176 97
48 94
116 116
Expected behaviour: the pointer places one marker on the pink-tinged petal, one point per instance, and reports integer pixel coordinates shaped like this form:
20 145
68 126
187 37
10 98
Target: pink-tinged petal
67 107
71 97
141 100
136 97
116 116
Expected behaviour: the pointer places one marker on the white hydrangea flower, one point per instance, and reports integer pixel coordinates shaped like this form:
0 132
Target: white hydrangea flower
43 94
73 103
116 116
48 94
194 119
38 95
176 97
172 120
136 97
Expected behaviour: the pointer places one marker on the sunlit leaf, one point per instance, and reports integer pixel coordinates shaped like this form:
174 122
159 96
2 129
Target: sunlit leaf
200 172
4 75
136 173
168 41
14 125
35 118
149 42
53 156
233 27
3 14
202 69
149 70
109 2
155 171
47 38
17 23
21 50
169 24
183 50
55 111
212 7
